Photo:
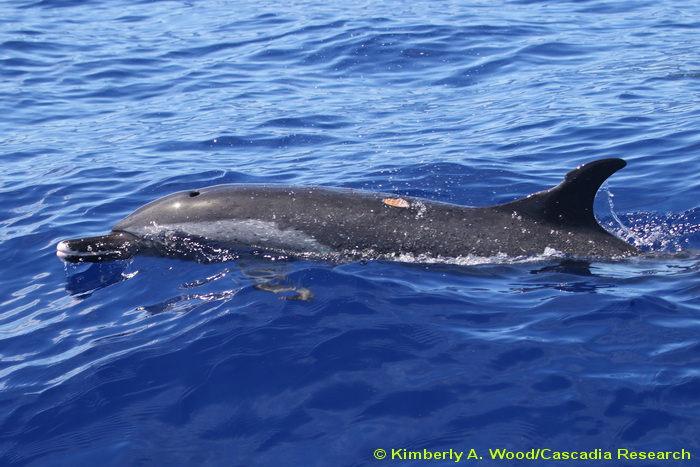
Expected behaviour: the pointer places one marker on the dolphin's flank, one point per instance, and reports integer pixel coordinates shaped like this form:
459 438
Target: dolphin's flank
340 224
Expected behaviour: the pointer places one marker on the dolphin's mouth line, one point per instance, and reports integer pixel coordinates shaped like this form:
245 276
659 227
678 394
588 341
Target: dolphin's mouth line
114 246
63 251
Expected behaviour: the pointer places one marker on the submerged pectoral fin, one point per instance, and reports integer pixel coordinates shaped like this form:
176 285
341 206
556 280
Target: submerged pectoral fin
114 246
302 293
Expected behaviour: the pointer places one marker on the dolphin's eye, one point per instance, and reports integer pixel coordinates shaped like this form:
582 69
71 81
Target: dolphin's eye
193 194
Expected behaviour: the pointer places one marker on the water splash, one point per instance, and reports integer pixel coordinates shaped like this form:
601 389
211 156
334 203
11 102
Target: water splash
658 232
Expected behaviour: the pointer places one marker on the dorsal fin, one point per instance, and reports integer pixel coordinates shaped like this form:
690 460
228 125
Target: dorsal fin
571 202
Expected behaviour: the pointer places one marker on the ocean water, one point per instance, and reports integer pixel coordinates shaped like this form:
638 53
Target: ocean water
107 105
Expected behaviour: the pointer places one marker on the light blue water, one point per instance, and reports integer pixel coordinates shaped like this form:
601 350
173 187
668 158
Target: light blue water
106 105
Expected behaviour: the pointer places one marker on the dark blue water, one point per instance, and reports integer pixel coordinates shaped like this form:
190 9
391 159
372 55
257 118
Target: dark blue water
106 105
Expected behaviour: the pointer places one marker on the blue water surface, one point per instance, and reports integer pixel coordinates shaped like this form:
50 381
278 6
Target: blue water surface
108 104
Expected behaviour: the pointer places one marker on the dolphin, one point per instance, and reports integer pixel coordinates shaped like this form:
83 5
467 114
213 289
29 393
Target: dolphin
343 224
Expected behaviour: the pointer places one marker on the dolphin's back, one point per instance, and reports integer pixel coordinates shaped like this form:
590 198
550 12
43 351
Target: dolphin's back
304 219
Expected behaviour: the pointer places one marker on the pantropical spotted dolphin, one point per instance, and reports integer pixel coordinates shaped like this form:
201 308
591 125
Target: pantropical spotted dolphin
340 224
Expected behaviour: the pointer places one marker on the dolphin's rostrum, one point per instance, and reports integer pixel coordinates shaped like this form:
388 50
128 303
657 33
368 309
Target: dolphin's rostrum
341 224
